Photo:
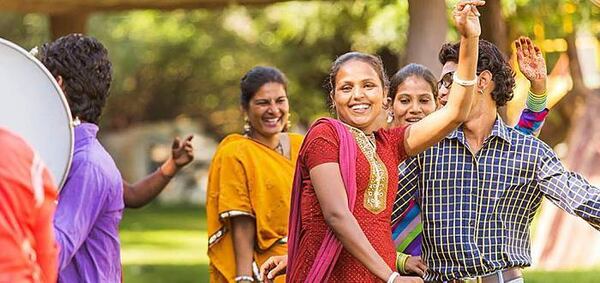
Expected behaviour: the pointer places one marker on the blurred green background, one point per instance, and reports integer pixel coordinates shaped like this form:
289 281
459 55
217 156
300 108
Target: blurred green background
185 58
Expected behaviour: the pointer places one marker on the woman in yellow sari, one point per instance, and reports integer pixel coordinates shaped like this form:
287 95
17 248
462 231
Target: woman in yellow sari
250 181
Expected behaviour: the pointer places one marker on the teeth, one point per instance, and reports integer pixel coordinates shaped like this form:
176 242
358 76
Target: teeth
360 106
272 120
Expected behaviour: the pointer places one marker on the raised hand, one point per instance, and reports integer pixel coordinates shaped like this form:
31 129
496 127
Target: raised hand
182 152
466 18
532 64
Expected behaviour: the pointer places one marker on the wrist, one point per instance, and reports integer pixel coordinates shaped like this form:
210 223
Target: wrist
393 277
469 37
169 168
244 278
401 259
538 87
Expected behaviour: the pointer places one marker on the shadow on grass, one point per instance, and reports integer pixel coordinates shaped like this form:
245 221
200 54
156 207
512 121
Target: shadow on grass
195 273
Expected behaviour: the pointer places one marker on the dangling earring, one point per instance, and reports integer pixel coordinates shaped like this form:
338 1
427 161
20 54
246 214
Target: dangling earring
390 117
288 125
247 127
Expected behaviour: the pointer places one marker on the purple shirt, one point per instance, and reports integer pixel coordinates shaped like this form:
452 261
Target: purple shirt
89 210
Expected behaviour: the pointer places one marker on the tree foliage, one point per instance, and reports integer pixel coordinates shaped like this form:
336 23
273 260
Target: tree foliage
169 63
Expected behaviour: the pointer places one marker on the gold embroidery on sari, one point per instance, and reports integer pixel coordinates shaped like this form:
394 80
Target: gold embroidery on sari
376 192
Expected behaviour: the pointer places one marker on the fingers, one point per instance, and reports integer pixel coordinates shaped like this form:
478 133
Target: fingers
264 267
461 5
421 269
274 271
189 138
530 47
524 46
519 49
176 143
464 8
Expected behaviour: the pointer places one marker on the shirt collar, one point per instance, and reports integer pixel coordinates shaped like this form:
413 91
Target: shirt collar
500 130
85 131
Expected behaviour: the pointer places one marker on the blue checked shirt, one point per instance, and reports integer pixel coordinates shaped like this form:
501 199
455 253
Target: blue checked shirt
477 209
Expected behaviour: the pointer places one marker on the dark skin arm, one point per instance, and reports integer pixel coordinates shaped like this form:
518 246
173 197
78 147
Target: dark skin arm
243 230
142 192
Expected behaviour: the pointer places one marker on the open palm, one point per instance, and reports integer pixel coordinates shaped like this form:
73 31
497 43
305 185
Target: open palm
530 59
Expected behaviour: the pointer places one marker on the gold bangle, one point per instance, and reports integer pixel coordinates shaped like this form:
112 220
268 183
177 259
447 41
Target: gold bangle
401 259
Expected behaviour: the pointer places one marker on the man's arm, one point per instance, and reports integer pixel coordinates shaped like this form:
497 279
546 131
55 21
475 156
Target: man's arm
144 191
79 205
568 190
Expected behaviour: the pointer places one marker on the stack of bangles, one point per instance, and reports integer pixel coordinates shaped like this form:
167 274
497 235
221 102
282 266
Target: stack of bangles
401 262
536 102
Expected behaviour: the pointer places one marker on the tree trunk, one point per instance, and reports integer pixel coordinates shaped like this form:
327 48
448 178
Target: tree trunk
63 24
493 25
570 108
427 30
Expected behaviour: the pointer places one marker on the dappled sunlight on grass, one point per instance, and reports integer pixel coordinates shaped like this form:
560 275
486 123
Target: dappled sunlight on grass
169 243
167 247
164 244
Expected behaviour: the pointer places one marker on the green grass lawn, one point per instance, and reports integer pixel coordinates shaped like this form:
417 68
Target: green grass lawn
164 244
168 244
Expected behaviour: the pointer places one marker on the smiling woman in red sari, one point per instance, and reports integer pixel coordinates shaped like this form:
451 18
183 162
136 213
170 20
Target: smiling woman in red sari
345 186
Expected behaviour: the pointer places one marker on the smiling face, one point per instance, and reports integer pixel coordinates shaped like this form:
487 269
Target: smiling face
358 95
414 100
268 110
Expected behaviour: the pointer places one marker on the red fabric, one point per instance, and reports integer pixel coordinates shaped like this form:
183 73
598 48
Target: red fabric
322 147
27 245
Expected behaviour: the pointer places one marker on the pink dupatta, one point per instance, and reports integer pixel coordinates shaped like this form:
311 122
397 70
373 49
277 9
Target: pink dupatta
331 247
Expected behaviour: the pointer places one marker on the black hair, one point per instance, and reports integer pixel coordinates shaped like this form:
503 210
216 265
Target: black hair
254 79
82 63
491 59
373 60
408 71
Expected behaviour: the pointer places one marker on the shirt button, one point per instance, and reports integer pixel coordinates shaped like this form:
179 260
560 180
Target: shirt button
472 222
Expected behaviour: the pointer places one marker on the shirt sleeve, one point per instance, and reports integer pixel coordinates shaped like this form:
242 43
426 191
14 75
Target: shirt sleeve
396 136
322 146
79 205
530 122
234 194
568 190
409 173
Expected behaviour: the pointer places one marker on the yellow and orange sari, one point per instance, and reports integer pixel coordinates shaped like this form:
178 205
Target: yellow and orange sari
248 178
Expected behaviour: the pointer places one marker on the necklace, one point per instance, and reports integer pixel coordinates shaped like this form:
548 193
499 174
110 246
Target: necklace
375 196
279 148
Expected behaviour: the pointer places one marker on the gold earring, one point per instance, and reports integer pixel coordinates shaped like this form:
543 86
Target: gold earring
247 127
390 117
288 125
